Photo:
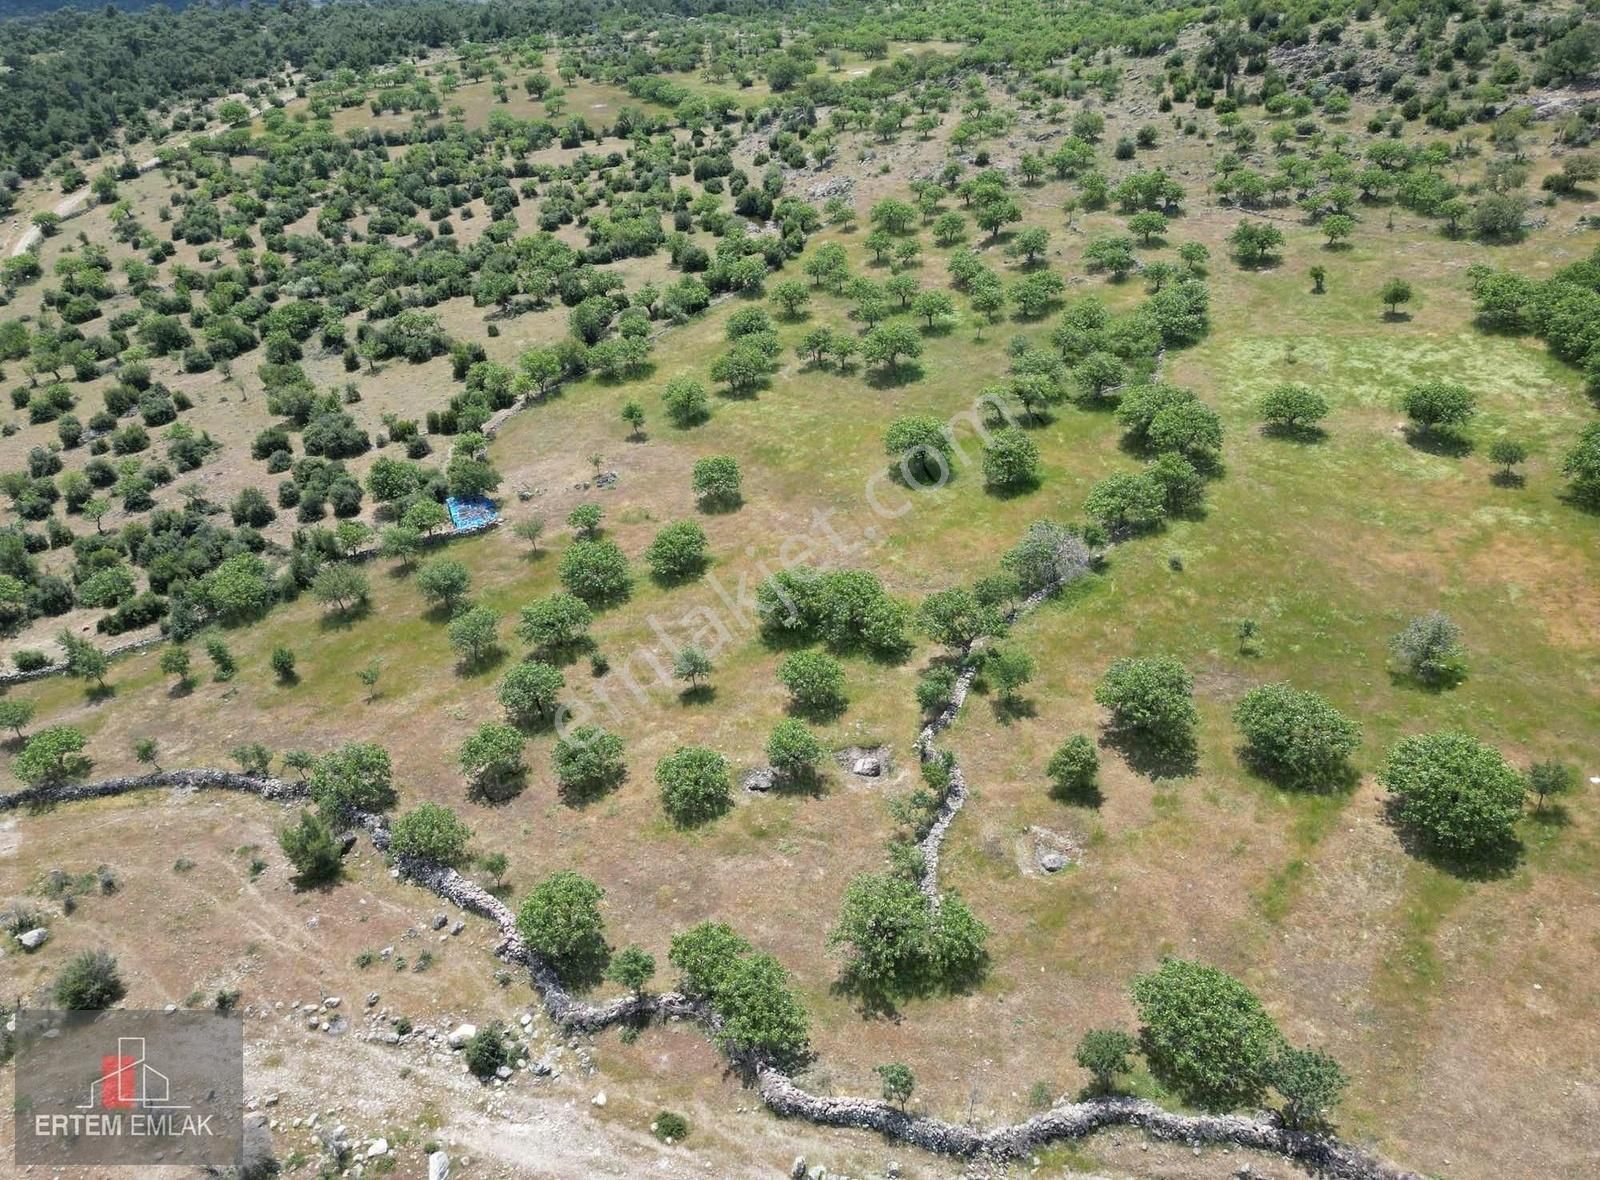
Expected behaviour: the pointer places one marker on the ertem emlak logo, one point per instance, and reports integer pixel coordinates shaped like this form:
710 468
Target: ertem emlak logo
129 1087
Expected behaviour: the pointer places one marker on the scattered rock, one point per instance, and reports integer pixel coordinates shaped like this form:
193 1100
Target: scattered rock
866 767
378 1147
461 1035
438 1166
797 1170
32 940
599 1099
440 921
1052 862
458 926
759 779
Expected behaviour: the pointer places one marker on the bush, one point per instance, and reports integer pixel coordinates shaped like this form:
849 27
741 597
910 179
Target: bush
695 786
632 967
355 777
815 681
670 1127
311 849
1430 648
678 551
1206 1034
430 832
1311 1083
588 762
1295 736
717 482
88 983
560 919
487 1050
1074 769
1104 1053
1150 698
595 571
793 750
1457 794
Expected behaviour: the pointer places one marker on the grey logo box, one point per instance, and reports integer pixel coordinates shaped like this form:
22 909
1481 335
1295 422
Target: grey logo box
129 1087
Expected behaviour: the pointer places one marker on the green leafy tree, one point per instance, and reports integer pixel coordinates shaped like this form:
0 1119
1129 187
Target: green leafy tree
555 622
491 759
175 661
693 665
312 849
1205 1034
530 692
686 402
1393 293
341 586
716 481
793 750
475 635
633 968
678 552
921 448
1582 466
1074 769
430 832
898 1082
15 714
694 784
1456 794
815 681
1010 461
1551 780
1150 698
487 1050
1295 736
353 778
1104 1053
443 581
595 571
1436 405
1311 1084
53 755
1291 407
588 762
560 919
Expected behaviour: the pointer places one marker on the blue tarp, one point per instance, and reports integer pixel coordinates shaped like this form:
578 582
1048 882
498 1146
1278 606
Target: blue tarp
471 512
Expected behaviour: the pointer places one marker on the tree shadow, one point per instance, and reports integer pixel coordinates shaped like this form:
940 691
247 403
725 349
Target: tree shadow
580 795
807 782
1444 443
892 377
1009 709
1153 758
1438 684
485 661
1013 491
1089 796
1508 479
1396 317
99 694
666 581
1296 432
817 712
722 505
499 790
343 620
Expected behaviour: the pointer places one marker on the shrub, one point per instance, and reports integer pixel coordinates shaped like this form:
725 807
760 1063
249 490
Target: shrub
487 1050
632 968
588 762
595 571
491 758
53 755
815 681
1150 698
695 786
1430 648
560 919
1205 1033
1074 769
1311 1084
1457 794
355 777
1104 1053
1295 736
670 1127
792 749
88 983
702 954
531 691
311 849
430 832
